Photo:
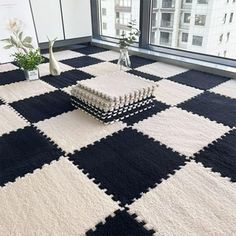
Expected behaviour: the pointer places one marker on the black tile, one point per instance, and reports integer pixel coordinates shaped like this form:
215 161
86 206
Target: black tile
199 79
144 75
137 61
67 78
79 62
127 163
221 156
213 106
158 107
11 77
43 106
22 152
1 102
122 224
90 50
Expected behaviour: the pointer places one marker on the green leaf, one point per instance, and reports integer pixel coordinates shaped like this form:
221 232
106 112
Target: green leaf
28 45
14 42
6 40
20 35
8 46
27 39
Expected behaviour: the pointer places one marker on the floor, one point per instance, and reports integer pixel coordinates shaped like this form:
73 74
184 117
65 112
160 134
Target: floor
167 171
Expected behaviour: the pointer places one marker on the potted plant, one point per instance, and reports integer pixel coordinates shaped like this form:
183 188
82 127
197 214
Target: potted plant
127 38
26 57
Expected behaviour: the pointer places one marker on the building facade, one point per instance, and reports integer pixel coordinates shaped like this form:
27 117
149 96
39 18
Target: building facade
203 26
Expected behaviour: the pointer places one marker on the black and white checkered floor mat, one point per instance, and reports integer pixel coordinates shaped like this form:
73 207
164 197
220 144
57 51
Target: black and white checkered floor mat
170 170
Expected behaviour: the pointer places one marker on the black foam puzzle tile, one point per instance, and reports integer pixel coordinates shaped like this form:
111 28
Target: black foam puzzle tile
122 224
22 152
44 106
127 163
221 156
198 79
213 106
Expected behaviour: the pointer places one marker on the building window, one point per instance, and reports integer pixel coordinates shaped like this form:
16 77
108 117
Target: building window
165 38
117 32
166 20
225 52
228 35
188 1
154 21
200 20
231 17
225 17
202 1
221 38
187 17
197 40
153 37
104 26
184 38
104 11
154 3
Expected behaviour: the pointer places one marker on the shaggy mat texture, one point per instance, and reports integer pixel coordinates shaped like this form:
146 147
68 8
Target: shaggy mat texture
169 170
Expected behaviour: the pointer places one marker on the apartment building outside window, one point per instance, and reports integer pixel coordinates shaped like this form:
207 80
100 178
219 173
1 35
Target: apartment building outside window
231 17
228 35
104 11
197 40
184 38
165 38
187 25
221 38
166 20
225 17
187 17
202 1
200 20
168 3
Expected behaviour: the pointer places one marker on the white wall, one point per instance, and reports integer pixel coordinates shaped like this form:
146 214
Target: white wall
47 17
10 9
76 15
77 18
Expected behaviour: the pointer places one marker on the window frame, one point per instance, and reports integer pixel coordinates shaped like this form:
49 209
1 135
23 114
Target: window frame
144 40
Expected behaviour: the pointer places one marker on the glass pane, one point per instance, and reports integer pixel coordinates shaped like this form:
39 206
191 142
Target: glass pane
116 14
202 26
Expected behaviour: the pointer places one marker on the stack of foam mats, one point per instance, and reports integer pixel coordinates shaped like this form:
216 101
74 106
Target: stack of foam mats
114 96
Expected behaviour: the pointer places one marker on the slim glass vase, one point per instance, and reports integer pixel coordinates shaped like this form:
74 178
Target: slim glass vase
124 60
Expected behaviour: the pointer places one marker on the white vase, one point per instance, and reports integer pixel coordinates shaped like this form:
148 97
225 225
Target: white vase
124 60
54 67
31 74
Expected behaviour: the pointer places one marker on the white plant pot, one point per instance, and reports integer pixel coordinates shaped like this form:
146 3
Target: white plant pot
32 74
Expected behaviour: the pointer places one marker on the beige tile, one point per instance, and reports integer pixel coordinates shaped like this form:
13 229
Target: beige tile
7 67
182 131
101 68
161 69
227 89
24 89
9 120
194 201
44 68
76 129
173 93
57 200
107 55
64 55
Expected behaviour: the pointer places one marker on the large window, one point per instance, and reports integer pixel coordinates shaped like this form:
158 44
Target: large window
118 14
195 26
180 27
